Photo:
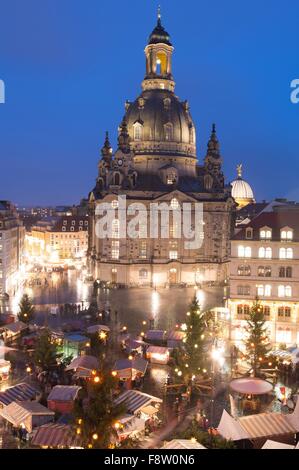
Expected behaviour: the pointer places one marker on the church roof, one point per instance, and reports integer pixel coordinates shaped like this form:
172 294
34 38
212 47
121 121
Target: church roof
159 35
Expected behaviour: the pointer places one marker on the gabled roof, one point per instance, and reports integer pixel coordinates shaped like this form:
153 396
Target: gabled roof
84 362
137 363
20 392
18 412
15 327
55 435
64 393
183 444
135 400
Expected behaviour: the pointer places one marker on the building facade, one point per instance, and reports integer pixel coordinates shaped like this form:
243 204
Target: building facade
156 162
12 235
55 240
265 265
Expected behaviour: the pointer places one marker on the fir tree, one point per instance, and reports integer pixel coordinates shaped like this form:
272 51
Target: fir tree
45 355
191 358
257 341
27 310
95 414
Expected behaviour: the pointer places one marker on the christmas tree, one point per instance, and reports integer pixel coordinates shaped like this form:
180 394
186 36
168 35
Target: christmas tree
191 358
257 341
26 312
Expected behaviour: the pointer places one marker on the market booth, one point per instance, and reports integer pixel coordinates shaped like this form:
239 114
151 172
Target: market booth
27 414
142 405
258 428
157 354
75 344
83 366
183 444
127 370
62 397
55 436
130 426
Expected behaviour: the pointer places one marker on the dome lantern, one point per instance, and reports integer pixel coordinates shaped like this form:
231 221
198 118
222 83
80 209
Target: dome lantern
158 54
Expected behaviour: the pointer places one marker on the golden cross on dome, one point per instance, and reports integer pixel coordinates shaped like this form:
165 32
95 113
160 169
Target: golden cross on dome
239 170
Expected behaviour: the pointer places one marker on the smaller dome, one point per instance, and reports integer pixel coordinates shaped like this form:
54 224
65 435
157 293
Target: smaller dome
241 190
159 35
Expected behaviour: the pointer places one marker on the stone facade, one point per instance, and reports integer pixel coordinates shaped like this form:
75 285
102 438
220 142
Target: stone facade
156 162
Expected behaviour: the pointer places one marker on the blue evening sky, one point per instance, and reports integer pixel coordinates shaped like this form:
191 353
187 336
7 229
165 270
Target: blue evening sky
69 66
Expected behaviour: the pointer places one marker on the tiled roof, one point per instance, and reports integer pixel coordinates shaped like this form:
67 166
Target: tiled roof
71 223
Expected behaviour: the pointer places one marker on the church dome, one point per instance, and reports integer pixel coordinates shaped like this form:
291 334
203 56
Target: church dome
241 190
158 122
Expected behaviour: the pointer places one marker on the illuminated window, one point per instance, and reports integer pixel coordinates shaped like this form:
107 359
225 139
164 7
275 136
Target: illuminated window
244 251
283 336
284 291
142 249
244 270
265 234
173 254
265 252
114 204
286 253
264 290
284 312
286 234
137 131
115 249
174 203
171 177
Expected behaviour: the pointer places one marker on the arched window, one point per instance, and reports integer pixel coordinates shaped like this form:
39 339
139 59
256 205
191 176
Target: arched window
174 203
289 253
288 291
286 234
244 251
161 63
168 131
138 131
289 271
262 252
268 252
282 272
116 179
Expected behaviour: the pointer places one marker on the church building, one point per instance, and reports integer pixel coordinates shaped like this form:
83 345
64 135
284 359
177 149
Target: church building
156 162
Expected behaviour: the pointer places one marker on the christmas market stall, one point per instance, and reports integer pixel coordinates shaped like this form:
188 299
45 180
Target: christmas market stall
258 428
26 415
142 405
55 436
131 369
62 397
83 366
157 354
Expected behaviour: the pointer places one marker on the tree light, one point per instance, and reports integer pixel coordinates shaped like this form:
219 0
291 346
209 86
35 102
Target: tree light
95 436
114 373
96 379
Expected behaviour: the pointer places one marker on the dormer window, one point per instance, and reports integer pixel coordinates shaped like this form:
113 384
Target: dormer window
138 129
286 234
249 233
171 178
265 234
